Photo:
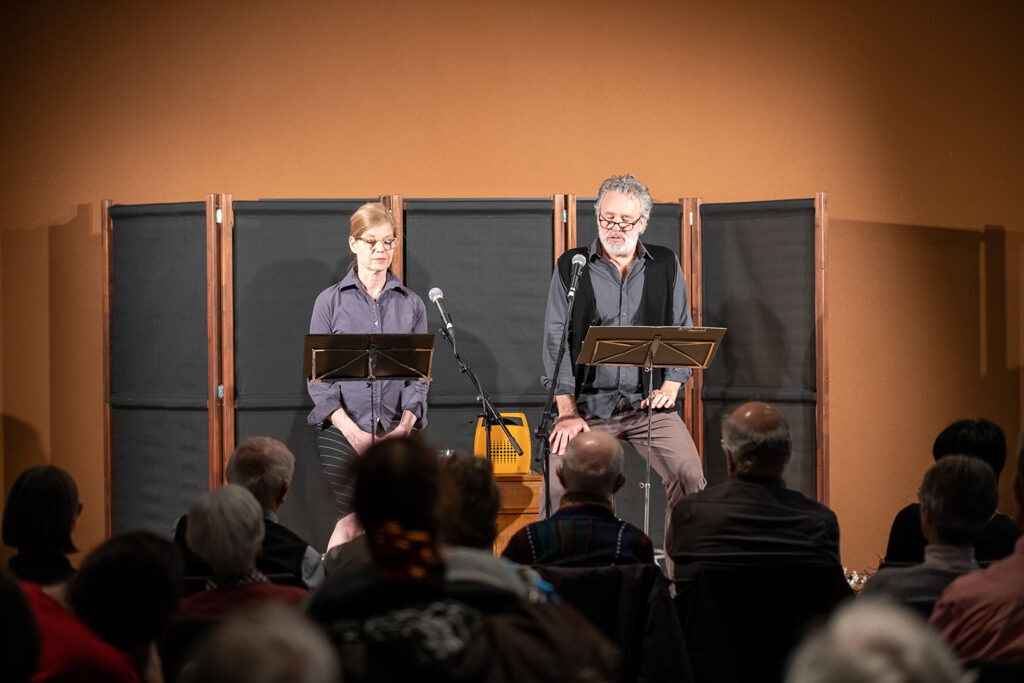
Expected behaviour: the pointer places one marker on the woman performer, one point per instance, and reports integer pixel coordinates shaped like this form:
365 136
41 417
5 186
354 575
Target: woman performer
369 300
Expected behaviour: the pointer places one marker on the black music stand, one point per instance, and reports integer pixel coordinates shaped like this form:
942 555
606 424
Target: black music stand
366 358
647 348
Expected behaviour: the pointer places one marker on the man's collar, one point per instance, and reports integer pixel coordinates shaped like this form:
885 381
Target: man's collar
351 280
576 499
762 480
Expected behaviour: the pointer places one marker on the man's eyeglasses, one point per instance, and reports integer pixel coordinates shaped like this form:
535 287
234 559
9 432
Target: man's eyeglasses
388 243
624 226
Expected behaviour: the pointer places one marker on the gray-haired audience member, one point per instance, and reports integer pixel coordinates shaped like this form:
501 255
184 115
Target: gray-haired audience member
981 614
267 644
264 466
872 640
752 520
584 531
958 496
980 439
226 529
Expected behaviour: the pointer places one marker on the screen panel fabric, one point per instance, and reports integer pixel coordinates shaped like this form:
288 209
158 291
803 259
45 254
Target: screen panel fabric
492 259
158 363
285 252
758 281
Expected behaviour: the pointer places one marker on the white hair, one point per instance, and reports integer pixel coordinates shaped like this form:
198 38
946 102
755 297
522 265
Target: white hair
225 528
269 644
264 466
875 641
629 186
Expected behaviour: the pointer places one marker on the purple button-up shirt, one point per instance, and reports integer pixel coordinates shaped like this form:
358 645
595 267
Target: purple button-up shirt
346 308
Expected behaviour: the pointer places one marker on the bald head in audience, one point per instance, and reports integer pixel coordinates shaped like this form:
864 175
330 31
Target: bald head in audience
756 441
592 465
265 467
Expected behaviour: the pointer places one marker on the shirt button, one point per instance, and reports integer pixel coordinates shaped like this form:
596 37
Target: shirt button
376 323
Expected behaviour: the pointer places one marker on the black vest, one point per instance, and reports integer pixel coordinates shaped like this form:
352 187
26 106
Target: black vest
655 304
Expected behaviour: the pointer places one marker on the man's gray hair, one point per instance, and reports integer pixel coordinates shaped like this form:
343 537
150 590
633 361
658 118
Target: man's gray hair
750 447
584 475
870 640
627 185
262 465
960 493
225 528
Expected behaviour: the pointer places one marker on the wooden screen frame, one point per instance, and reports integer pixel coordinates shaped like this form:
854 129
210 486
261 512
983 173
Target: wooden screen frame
821 325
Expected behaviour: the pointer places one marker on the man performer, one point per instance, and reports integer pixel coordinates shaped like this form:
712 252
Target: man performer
624 283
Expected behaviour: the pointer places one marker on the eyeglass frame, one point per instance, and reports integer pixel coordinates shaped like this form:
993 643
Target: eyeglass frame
621 225
372 244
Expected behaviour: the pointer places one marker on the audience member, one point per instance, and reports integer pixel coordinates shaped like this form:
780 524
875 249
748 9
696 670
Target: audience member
103 625
40 513
468 526
267 644
584 531
958 496
868 641
386 618
19 644
976 438
265 467
752 519
226 530
981 614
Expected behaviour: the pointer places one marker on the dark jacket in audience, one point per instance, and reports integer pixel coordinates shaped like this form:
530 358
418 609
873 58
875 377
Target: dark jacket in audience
750 521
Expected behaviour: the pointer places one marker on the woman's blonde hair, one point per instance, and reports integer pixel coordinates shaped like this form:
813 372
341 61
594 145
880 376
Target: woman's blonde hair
369 216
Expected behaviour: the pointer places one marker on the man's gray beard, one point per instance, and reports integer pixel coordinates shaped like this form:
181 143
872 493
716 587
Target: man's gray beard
624 250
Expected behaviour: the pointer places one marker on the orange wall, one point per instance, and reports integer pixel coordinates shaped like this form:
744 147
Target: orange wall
909 117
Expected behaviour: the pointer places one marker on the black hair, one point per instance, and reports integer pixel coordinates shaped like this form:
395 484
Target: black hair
41 510
469 501
977 438
128 588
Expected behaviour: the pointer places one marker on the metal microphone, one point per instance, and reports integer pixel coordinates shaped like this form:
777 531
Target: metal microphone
437 297
578 262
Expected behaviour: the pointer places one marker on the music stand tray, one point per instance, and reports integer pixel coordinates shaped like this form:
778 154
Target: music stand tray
367 357
651 347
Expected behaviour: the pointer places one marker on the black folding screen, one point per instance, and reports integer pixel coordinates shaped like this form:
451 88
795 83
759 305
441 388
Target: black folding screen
758 264
158 372
493 260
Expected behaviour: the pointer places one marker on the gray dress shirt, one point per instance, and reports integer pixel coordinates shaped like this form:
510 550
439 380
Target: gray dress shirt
346 308
618 302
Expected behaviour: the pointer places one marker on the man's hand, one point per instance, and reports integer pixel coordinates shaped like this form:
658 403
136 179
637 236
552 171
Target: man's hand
563 430
665 397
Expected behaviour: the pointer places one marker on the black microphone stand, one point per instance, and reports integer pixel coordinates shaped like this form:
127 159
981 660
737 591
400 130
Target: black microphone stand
542 429
490 415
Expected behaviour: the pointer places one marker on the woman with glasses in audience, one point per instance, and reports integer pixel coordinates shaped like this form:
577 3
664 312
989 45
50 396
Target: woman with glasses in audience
369 300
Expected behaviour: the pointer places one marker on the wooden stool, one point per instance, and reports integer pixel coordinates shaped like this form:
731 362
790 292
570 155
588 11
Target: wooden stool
520 503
